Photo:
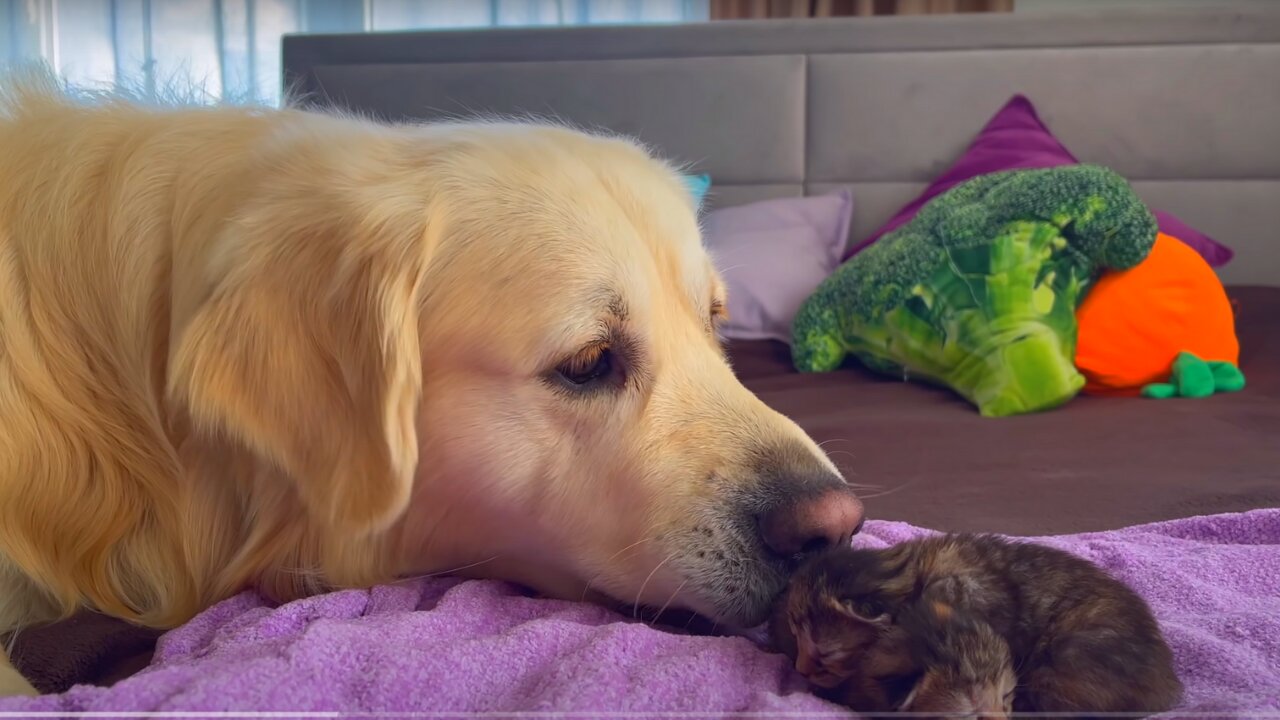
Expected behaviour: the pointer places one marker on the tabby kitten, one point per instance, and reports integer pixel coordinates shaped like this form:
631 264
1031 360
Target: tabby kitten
973 624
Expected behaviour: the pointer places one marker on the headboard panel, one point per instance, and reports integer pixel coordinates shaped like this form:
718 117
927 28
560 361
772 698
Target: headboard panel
1186 103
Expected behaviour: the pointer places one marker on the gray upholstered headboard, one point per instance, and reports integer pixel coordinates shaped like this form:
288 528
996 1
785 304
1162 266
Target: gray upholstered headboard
1185 103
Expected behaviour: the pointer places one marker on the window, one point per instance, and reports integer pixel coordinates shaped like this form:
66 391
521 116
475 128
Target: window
230 49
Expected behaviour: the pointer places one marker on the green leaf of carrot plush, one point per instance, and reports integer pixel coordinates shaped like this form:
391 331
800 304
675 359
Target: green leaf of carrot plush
1192 377
1226 377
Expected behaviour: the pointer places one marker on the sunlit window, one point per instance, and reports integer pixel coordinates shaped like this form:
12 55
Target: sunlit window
230 49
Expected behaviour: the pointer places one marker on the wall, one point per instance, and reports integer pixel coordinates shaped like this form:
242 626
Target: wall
1076 5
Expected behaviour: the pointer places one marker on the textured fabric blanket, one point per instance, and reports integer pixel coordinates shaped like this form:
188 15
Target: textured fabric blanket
455 647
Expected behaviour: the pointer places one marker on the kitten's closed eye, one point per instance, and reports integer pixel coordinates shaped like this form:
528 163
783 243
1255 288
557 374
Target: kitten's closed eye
866 608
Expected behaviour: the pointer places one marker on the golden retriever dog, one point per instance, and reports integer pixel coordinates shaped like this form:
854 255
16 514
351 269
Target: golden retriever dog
293 351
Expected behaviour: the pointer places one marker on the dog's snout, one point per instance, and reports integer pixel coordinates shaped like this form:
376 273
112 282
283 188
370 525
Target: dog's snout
827 518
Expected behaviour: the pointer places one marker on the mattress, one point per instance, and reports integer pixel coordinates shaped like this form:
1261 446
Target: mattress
446 647
925 457
929 459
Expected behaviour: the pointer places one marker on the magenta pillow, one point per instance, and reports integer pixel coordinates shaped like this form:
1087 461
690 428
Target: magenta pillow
1016 139
772 255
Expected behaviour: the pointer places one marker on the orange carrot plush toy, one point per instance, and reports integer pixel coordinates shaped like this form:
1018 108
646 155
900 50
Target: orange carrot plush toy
1134 323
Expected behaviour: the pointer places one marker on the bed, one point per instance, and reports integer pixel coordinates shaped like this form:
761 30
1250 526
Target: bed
1095 464
1183 102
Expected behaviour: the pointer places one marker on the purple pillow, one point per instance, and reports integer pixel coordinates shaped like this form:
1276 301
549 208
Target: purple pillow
1016 139
773 254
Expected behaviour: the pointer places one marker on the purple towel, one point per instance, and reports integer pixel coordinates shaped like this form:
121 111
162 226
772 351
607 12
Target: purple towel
444 645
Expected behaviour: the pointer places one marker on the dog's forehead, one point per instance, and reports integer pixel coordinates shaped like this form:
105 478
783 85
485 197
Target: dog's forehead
592 212
663 220
639 227
675 244
645 256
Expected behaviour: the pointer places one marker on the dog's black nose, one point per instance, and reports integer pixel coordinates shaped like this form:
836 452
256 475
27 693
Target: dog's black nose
813 521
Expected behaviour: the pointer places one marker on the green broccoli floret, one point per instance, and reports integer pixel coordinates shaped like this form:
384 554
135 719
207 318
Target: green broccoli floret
979 291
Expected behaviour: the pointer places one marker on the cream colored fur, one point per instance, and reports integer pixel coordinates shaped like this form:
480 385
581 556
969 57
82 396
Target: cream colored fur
271 349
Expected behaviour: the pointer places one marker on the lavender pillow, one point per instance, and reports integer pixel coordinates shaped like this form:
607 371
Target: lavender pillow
773 254
1014 139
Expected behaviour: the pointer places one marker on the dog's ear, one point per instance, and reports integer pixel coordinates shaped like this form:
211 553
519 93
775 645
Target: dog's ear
307 352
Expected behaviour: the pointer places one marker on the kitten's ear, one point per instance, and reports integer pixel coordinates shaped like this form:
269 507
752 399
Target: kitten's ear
828 650
941 598
939 612
950 591
862 616
307 352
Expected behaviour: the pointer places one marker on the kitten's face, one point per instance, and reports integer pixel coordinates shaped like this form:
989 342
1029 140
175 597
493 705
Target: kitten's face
829 640
838 638
844 621
968 672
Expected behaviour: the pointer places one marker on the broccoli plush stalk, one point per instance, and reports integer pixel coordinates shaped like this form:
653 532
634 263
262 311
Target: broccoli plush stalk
979 291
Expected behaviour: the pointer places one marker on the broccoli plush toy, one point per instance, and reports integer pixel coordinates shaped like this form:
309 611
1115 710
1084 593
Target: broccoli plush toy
979 291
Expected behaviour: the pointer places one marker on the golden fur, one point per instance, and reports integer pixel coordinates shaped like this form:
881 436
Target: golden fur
274 349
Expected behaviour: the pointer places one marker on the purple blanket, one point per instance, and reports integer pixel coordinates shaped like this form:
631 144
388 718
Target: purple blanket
448 646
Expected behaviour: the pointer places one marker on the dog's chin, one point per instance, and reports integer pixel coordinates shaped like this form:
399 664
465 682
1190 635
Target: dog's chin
693 616
734 615
750 615
680 620
752 605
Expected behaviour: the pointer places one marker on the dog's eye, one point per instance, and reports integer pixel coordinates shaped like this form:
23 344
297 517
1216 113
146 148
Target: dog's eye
590 366
719 312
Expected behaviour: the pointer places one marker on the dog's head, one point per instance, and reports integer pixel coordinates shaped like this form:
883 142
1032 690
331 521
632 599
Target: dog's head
496 346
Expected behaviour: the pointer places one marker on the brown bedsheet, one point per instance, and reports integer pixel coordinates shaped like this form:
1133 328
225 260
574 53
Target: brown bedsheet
1094 464
1091 465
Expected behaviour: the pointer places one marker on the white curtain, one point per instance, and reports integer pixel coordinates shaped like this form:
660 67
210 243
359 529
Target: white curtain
231 48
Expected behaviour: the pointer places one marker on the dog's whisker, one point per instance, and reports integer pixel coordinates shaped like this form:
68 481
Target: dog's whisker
12 641
301 572
890 491
638 542
463 567
635 607
587 587
450 571
689 621
667 604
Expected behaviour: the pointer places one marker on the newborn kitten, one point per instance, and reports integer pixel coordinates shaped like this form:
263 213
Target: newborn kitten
963 668
940 624
922 658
